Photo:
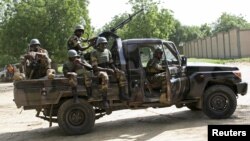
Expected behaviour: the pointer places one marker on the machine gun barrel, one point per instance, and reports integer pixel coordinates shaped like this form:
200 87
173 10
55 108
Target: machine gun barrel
120 25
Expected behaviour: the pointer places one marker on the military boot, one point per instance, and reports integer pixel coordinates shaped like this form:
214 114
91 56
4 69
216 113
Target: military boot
106 104
105 101
89 93
122 95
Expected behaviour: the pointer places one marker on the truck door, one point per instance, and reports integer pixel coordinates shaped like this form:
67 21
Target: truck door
135 74
177 78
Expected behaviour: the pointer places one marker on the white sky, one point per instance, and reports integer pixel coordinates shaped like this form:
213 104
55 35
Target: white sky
188 12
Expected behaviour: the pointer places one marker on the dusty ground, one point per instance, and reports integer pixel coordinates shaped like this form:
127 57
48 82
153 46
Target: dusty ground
133 125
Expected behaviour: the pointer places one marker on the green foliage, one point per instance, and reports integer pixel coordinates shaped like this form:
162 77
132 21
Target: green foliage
227 22
186 33
154 23
51 21
224 23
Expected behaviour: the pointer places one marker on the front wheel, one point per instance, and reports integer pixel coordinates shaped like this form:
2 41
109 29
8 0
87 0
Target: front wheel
219 102
76 118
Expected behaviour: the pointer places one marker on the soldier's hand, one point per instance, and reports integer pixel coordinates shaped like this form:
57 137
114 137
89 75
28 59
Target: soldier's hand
40 55
29 56
77 61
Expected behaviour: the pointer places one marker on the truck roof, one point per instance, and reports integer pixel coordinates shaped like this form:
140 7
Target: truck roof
144 41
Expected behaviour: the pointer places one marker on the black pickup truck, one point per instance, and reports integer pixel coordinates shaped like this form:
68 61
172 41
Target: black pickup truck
212 89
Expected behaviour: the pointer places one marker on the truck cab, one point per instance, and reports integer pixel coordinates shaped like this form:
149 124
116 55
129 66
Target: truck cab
137 53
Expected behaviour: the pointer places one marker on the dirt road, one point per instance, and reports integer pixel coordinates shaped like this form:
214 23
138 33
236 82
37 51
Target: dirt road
132 125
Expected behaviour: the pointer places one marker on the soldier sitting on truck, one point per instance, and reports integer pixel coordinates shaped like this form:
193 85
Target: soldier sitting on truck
102 63
36 63
80 67
156 72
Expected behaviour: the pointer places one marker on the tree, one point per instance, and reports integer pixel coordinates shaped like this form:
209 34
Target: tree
227 22
51 21
154 22
206 30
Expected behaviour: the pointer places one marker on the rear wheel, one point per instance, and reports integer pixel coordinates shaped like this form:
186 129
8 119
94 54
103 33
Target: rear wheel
76 118
219 102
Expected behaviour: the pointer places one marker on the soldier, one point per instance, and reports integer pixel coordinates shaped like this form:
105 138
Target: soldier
75 41
155 71
36 63
80 67
102 63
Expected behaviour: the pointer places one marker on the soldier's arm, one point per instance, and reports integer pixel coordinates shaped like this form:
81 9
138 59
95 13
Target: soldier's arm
75 43
84 64
111 62
157 66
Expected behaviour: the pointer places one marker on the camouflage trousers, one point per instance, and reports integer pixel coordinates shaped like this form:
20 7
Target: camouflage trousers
104 81
160 81
86 76
120 76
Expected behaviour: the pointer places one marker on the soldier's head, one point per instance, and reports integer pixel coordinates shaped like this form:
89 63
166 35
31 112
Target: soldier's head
72 54
79 30
101 43
34 44
158 53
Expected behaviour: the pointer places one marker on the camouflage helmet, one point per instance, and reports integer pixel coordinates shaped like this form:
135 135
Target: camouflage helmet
72 53
101 40
79 27
35 42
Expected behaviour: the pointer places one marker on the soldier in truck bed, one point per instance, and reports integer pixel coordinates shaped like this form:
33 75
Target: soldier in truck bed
81 68
102 63
75 41
36 63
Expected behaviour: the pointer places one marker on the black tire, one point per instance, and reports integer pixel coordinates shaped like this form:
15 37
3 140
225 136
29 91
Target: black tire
193 107
76 118
219 102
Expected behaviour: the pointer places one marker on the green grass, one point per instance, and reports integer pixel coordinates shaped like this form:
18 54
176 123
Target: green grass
219 61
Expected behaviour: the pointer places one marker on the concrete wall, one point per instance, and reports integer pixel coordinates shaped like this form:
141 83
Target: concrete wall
245 43
232 44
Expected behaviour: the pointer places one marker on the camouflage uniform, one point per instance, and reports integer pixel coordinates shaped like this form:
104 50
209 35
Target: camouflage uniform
36 64
76 67
104 60
74 42
156 73
79 70
101 60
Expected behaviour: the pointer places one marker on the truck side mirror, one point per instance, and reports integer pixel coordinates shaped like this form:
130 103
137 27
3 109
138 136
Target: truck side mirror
183 61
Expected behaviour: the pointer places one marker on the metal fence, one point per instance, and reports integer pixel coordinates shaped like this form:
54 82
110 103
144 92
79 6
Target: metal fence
232 44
